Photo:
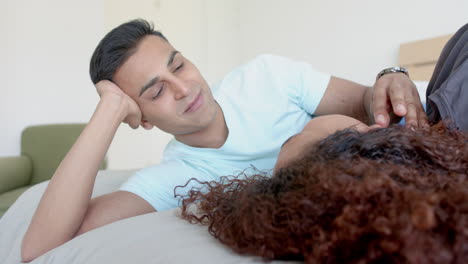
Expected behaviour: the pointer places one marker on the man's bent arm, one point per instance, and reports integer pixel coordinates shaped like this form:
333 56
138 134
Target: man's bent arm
65 202
345 97
392 97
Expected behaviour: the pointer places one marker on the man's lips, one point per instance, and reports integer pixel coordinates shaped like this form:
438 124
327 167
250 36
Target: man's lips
195 104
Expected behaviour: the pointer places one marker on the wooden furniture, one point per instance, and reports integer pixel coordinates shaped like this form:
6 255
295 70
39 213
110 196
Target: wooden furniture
420 57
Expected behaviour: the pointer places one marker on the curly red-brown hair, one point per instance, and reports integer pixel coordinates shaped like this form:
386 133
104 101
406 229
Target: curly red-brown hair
392 195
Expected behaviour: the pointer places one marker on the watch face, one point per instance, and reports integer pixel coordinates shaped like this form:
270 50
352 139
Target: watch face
401 69
392 70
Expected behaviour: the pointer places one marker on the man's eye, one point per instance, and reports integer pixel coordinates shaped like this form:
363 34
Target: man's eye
179 67
158 93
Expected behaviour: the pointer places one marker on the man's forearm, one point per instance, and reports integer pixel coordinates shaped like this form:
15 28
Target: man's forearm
367 116
65 201
348 98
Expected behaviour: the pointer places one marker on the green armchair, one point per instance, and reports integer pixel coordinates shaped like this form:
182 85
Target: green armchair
42 149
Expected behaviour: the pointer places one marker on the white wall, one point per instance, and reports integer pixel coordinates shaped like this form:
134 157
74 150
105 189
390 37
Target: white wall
46 45
205 31
3 75
352 39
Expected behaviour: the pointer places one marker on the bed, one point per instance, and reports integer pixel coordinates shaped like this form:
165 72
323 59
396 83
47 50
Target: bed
420 57
162 237
151 238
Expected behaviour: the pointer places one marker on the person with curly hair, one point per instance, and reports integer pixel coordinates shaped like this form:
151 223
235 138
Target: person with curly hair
354 195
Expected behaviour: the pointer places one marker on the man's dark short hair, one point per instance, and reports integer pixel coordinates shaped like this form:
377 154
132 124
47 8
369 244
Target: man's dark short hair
117 46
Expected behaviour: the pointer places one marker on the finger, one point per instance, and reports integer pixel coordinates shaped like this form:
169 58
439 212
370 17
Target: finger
380 105
411 116
397 99
146 125
422 117
134 126
374 127
99 87
360 127
131 123
102 85
363 128
423 120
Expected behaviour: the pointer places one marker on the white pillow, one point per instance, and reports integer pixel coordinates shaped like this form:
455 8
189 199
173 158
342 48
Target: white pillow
422 87
151 238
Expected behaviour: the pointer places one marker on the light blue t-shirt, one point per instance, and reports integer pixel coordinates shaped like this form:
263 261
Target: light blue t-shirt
264 102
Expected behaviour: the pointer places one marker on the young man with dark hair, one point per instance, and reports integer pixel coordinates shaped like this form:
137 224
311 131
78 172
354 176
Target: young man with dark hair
238 123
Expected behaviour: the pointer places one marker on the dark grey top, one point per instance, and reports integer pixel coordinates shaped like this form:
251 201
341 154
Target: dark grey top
447 92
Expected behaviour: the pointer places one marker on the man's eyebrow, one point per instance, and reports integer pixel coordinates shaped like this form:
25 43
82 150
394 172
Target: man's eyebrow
288 140
171 58
156 79
148 85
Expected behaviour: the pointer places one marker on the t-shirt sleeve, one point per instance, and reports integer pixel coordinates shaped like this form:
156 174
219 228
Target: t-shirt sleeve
301 82
156 184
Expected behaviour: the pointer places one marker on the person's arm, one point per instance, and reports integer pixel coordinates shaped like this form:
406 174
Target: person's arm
65 209
315 130
393 96
343 97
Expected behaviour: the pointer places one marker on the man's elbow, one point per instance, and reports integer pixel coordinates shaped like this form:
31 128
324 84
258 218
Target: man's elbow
26 258
32 248
28 252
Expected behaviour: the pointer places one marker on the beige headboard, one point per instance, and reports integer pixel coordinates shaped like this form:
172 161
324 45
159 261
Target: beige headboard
420 57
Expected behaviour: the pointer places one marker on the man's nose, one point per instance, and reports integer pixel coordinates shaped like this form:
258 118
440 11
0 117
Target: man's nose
180 89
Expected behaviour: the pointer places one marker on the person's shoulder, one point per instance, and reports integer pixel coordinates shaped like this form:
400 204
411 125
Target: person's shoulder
261 67
262 63
252 67
267 58
276 63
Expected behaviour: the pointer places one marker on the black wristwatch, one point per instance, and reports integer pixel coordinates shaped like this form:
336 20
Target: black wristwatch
392 70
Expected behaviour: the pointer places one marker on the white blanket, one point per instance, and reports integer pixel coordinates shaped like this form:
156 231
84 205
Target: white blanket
151 238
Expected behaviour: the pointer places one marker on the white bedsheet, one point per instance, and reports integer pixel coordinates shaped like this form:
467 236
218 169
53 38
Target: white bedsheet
422 87
151 238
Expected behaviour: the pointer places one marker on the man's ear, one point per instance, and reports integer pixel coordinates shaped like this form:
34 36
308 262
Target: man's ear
146 125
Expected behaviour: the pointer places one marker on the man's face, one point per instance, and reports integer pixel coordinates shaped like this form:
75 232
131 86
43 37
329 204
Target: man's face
168 88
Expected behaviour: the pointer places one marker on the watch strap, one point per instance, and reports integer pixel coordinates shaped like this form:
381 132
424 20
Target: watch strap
392 70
